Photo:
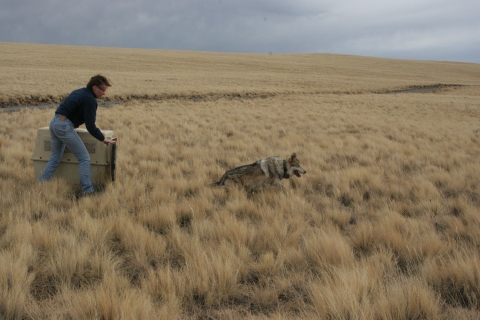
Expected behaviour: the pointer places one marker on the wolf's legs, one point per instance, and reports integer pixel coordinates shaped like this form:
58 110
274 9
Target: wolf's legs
280 186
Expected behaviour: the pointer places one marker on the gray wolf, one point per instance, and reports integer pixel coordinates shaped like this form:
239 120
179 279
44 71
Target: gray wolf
261 173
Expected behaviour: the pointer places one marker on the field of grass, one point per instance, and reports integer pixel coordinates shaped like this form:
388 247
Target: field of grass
384 225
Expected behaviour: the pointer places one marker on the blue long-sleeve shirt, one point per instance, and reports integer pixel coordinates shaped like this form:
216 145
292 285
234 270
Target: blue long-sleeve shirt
81 107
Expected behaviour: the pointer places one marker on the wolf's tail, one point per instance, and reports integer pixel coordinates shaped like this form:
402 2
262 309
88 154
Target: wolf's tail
220 182
216 184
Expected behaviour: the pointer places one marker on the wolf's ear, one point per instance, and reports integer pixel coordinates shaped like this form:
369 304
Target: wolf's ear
293 156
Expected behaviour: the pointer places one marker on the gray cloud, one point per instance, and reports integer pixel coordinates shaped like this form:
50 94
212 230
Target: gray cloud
426 29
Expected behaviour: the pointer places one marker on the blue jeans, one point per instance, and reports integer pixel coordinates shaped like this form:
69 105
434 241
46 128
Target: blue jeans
63 134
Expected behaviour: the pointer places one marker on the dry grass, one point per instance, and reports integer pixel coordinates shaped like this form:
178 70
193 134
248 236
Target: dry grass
385 224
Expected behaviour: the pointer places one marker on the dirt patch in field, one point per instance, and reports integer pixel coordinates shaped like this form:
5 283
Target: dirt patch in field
422 89
41 103
53 105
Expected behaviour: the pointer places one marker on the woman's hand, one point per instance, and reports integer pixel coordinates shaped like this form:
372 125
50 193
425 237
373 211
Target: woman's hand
107 141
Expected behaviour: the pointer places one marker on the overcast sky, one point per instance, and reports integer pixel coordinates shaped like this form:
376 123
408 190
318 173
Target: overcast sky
446 30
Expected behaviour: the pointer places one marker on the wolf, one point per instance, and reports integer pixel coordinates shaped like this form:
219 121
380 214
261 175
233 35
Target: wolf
261 173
